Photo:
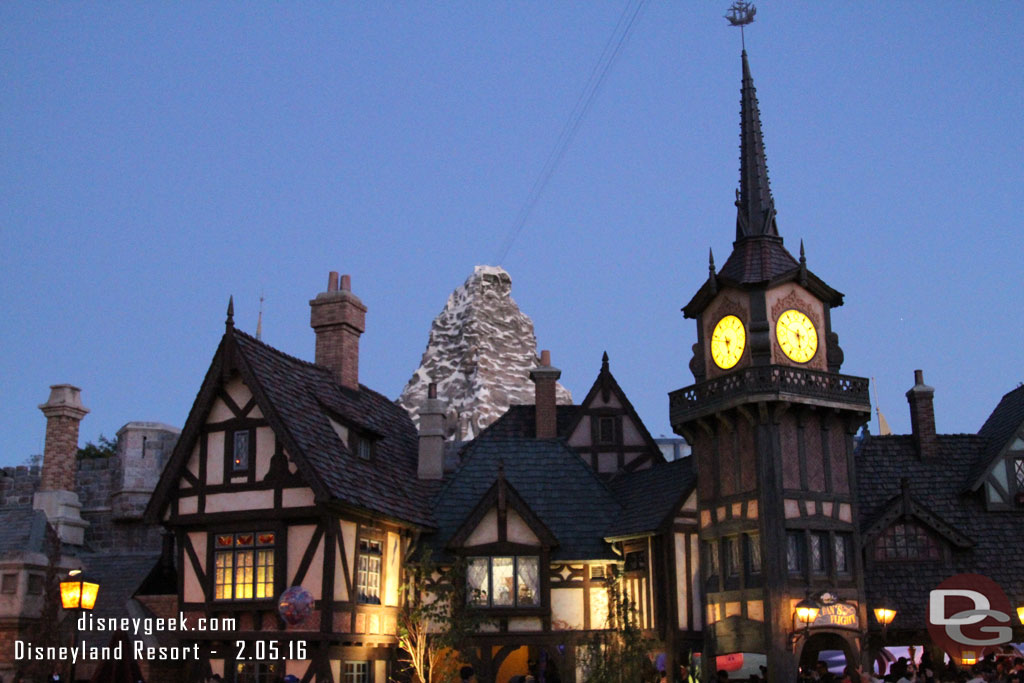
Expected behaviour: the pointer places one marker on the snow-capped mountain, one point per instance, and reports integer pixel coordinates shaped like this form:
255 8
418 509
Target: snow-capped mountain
480 352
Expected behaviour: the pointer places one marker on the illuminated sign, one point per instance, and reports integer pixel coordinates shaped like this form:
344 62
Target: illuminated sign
837 614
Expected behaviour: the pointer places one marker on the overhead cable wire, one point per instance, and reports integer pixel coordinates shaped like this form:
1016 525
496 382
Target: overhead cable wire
598 74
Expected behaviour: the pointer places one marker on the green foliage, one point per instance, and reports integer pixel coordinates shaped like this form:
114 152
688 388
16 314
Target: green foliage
618 655
434 623
104 448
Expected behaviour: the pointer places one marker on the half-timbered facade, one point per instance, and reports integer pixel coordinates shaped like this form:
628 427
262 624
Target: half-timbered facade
290 474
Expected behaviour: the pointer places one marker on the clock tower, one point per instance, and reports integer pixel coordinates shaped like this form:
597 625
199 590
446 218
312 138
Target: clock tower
771 422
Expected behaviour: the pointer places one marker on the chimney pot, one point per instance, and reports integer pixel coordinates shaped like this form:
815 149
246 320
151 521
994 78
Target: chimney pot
346 283
332 281
922 416
431 442
544 379
918 377
545 357
338 318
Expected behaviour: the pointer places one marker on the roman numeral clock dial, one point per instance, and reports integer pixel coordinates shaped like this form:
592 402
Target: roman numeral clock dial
797 337
728 341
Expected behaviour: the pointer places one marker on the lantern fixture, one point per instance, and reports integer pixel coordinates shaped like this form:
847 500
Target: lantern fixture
968 658
885 615
807 611
1020 613
77 593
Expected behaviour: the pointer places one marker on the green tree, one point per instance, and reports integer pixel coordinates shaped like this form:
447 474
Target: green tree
104 448
434 623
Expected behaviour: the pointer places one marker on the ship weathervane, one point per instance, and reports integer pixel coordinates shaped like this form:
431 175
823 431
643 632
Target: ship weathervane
740 14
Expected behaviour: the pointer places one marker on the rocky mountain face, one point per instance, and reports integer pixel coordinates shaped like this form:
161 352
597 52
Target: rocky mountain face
480 352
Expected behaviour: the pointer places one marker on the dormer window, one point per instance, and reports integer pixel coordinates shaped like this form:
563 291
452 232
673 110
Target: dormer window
906 541
503 582
360 445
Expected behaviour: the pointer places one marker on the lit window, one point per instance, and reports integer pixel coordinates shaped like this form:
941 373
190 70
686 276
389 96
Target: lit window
35 584
368 575
258 672
503 581
244 566
794 553
906 541
9 584
357 672
240 451
754 550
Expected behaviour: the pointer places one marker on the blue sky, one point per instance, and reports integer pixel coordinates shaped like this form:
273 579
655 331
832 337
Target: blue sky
157 157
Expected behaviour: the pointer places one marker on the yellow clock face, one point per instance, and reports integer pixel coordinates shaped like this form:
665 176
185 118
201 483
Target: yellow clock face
797 336
728 341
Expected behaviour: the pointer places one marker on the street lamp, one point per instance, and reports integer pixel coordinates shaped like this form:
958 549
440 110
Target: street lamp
1020 613
885 615
805 611
77 594
968 658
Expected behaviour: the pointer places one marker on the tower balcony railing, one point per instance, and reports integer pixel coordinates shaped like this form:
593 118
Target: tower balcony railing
768 383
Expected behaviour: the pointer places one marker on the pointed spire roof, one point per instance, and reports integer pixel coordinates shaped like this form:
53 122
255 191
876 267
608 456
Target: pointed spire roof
755 208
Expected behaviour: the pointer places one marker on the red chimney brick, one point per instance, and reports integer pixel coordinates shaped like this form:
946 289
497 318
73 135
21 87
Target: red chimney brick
339 318
545 378
922 416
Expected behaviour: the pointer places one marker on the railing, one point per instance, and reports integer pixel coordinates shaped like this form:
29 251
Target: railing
769 379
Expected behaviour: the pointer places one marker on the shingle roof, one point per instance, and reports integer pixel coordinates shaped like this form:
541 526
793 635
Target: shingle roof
560 489
119 576
999 428
937 483
520 422
304 394
22 529
757 260
649 496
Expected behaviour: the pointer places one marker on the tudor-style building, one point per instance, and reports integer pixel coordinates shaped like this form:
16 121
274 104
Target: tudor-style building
290 473
771 422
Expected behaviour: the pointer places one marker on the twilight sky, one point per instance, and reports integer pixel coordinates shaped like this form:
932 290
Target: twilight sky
157 157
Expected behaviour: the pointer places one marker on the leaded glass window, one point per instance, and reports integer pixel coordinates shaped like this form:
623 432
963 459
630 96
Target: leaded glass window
368 577
503 581
357 672
819 550
732 556
711 548
243 566
906 541
840 551
794 553
240 451
1018 468
754 550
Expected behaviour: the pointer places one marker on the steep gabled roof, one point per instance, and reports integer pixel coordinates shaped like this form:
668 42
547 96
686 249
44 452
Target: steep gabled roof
935 484
23 530
520 422
998 431
551 479
650 497
297 397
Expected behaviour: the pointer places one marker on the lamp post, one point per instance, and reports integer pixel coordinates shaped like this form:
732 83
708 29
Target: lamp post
884 614
77 594
806 611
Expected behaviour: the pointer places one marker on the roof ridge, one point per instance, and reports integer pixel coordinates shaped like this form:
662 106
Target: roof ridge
279 352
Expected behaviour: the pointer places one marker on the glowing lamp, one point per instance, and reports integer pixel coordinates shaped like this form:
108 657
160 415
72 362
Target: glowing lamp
1020 613
885 615
807 611
76 593
968 657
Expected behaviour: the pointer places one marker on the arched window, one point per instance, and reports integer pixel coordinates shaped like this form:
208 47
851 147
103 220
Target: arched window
906 541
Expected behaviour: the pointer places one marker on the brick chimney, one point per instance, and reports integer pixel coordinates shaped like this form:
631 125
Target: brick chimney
57 496
922 416
544 379
431 453
338 317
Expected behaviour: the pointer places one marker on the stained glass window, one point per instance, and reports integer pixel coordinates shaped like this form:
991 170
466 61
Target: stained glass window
906 541
368 577
503 581
243 566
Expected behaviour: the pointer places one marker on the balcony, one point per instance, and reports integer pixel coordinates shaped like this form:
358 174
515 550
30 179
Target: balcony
768 383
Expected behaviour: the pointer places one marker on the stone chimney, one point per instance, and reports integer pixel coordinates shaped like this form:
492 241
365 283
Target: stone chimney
544 379
57 496
338 317
922 415
431 453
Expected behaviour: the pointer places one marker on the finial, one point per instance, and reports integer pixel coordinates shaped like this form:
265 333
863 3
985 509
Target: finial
259 319
740 14
803 265
604 362
711 272
230 322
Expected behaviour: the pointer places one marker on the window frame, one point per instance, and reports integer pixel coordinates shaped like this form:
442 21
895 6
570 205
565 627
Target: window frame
231 472
256 549
364 676
753 543
539 602
366 598
824 548
357 440
9 583
796 560
880 550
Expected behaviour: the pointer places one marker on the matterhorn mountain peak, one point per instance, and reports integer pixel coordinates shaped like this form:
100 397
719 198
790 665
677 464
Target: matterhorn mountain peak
480 352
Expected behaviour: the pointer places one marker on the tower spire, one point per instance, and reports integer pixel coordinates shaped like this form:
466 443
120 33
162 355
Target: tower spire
755 208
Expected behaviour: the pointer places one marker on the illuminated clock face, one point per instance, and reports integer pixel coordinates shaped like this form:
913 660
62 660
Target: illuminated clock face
797 336
728 341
